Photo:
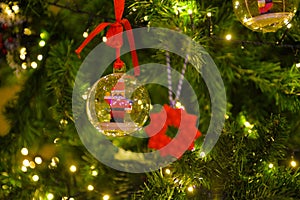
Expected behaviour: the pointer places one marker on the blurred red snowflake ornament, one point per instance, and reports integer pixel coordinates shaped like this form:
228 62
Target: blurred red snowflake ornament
177 118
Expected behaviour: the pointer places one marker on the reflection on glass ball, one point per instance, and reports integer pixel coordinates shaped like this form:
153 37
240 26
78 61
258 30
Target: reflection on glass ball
118 105
265 15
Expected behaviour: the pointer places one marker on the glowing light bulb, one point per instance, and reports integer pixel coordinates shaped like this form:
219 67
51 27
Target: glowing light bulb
24 169
24 65
42 43
202 154
50 196
38 160
34 65
26 163
31 164
190 11
271 165
94 173
90 187
168 171
40 57
104 39
293 163
298 65
35 178
209 14
15 8
289 26
228 37
73 168
190 189
24 151
22 56
106 197
27 31
85 34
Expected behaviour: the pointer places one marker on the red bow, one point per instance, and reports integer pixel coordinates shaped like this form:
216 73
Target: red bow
187 131
116 41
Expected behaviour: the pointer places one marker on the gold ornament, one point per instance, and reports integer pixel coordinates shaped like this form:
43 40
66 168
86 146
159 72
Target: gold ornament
118 105
265 15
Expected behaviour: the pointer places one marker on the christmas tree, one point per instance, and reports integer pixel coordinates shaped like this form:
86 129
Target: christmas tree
251 152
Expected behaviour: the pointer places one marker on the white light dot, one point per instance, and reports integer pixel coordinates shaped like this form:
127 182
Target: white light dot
22 56
271 165
289 26
34 65
24 65
94 173
298 65
202 154
50 196
40 57
168 171
90 187
23 50
38 160
228 37
31 164
85 34
15 8
24 151
106 197
209 14
190 11
24 169
35 178
26 163
104 39
190 189
293 163
73 168
42 43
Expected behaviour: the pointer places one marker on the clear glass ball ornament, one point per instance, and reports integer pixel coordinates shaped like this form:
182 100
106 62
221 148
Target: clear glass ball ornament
265 15
117 105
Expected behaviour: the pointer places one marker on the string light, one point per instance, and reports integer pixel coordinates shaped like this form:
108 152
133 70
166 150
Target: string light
24 65
26 163
104 39
90 187
168 171
190 11
106 197
24 151
85 34
190 189
35 178
202 154
289 26
228 37
42 43
73 168
293 163
24 169
15 8
27 31
38 160
50 196
94 173
271 165
40 57
209 14
298 65
34 65
31 164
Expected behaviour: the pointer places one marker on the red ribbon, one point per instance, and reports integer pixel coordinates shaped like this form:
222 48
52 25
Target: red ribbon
116 41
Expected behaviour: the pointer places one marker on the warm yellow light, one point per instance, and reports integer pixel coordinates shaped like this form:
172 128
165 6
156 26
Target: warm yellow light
24 151
289 26
298 65
293 163
85 34
31 164
27 31
90 187
73 168
23 50
271 165
42 43
40 57
43 35
106 197
104 39
24 169
228 37
190 189
15 8
34 65
22 56
190 11
26 163
94 173
168 171
38 160
35 178
209 14
24 65
50 196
